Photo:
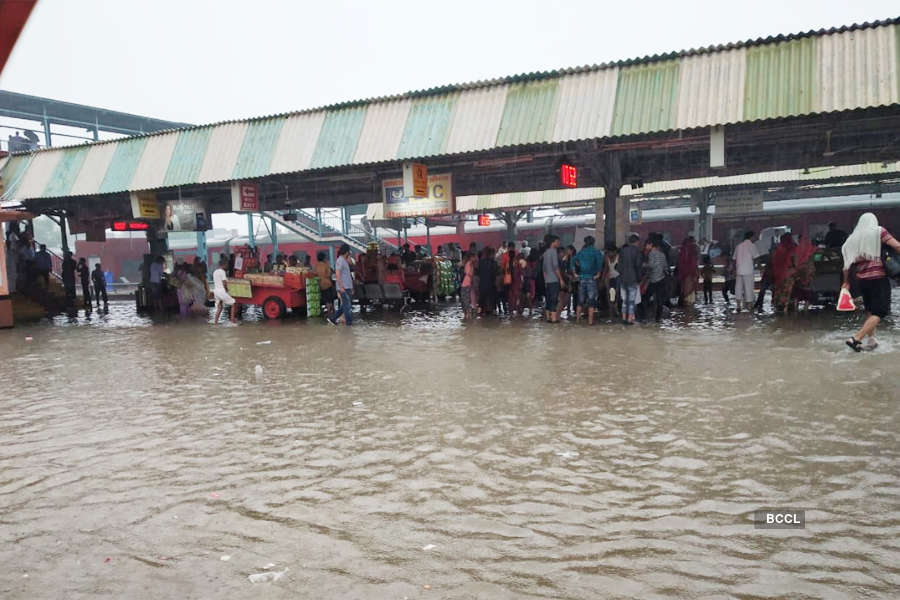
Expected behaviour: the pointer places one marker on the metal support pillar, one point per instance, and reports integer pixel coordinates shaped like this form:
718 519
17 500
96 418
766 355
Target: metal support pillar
427 234
274 237
319 220
47 140
202 252
331 254
345 219
251 234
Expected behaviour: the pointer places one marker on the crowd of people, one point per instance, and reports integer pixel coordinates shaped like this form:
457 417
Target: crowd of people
32 264
645 279
637 280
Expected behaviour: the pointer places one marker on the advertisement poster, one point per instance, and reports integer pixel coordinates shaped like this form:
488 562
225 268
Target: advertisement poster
439 201
186 214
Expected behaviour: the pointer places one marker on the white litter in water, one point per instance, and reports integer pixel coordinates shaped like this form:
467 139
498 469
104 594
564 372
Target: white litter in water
264 343
269 577
268 566
224 557
259 371
567 454
357 403
428 547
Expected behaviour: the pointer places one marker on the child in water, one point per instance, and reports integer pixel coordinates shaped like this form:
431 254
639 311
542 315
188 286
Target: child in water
707 274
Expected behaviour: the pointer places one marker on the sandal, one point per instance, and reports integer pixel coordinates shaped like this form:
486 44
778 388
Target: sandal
854 344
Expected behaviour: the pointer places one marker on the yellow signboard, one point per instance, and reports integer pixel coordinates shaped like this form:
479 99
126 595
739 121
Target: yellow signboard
144 205
415 180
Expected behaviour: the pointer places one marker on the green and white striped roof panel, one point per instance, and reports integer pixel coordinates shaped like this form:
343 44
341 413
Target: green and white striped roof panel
829 71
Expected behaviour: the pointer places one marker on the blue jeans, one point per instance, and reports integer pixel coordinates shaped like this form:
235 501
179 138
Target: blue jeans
344 309
587 293
630 293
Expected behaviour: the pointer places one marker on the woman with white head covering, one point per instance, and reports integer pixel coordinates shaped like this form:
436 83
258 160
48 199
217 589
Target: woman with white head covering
863 250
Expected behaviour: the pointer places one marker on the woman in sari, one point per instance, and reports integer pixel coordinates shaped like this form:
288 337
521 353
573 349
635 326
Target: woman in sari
805 271
688 260
783 271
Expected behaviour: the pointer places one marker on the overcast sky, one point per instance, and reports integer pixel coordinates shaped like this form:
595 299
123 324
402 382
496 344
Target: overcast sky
201 61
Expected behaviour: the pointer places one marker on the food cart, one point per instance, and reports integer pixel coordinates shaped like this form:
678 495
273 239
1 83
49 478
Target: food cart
274 293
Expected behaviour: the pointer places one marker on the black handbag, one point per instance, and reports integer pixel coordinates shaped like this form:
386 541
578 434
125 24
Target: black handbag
891 261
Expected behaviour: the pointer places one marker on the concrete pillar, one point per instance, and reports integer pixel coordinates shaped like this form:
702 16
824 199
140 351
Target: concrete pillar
612 213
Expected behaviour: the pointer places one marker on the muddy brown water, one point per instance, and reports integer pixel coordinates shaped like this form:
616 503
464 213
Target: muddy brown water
417 457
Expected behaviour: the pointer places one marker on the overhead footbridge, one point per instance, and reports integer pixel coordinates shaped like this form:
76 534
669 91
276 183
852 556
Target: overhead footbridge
791 102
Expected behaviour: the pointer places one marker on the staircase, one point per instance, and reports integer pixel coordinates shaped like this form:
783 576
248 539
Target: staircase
316 230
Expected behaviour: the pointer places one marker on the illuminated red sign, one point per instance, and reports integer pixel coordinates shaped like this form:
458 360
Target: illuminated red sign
484 220
568 175
130 226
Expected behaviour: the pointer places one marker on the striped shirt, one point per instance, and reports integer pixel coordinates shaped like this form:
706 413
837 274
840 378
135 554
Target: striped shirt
873 269
656 266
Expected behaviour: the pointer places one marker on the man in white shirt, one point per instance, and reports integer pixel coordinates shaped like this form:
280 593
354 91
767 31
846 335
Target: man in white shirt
744 255
220 293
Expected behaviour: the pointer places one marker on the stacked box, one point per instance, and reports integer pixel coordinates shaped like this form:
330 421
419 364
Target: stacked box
313 297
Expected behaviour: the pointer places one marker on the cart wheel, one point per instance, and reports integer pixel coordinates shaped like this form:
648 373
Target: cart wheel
273 307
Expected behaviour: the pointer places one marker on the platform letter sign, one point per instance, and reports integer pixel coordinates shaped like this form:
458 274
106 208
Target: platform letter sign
438 200
144 205
244 196
415 180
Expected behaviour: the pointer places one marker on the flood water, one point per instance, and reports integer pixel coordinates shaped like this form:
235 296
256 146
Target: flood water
417 457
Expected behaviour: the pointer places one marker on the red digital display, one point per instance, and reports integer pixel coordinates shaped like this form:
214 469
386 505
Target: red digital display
130 226
568 175
484 220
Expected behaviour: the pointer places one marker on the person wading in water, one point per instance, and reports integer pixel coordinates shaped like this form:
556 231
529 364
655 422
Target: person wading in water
862 254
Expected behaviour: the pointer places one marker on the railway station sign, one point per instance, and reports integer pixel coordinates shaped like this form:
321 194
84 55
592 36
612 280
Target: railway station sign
738 204
415 180
439 199
245 196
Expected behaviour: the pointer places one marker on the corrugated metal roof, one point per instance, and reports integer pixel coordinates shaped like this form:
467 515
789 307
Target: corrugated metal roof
187 156
38 173
93 170
528 114
585 105
781 80
338 138
65 173
382 130
711 89
224 145
646 98
476 119
427 126
257 148
840 69
855 69
123 165
151 169
296 144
